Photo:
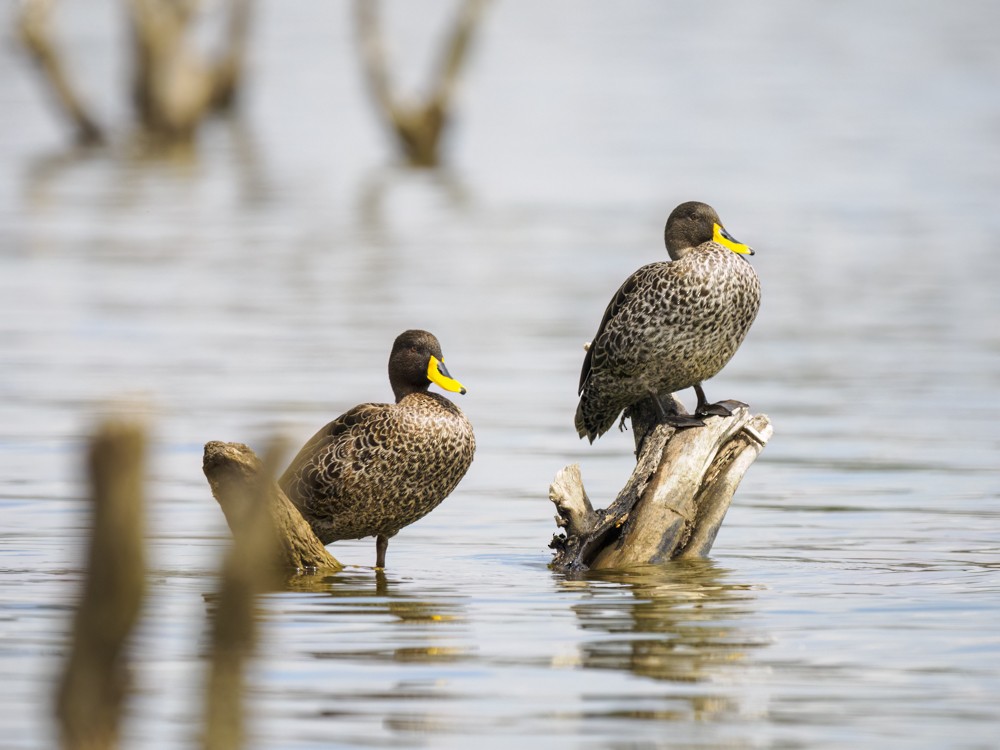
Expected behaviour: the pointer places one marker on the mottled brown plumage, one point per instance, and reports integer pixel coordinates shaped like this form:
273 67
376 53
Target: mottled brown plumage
672 324
380 467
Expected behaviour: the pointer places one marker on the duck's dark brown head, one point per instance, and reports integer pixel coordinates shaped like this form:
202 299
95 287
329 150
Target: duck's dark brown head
692 224
415 362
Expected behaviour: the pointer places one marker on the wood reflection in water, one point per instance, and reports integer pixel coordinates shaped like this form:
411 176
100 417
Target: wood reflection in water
683 622
426 623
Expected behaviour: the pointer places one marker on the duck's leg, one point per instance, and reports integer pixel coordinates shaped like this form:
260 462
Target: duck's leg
381 545
721 409
671 417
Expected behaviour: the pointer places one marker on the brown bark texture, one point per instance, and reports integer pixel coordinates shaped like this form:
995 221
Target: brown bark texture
235 474
673 503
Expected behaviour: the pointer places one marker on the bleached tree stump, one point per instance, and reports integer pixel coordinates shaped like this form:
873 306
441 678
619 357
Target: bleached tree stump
673 504
234 473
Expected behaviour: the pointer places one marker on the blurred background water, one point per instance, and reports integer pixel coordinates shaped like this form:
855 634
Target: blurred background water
253 289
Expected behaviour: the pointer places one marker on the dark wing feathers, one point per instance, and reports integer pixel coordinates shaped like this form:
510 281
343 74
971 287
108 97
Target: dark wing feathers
380 467
317 464
671 325
613 308
637 283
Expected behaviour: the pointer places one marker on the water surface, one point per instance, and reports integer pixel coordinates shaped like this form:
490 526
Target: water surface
852 596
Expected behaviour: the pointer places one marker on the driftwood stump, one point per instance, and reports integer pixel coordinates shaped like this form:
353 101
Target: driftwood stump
234 473
673 504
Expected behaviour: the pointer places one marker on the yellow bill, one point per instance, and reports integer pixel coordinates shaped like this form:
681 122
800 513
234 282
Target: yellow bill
438 373
725 239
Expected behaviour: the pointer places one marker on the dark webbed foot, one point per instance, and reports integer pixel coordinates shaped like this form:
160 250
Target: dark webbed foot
715 410
673 417
719 409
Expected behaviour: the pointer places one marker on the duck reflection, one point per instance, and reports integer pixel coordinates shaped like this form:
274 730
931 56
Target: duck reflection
683 622
430 624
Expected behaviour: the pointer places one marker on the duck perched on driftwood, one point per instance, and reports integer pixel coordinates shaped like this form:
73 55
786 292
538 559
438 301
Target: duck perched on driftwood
380 467
671 325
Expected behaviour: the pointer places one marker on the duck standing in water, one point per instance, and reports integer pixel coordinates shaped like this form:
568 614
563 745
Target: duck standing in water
672 325
380 467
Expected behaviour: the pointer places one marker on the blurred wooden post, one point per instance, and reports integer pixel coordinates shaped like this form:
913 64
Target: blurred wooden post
34 23
174 86
95 682
250 568
418 127
227 75
673 504
233 471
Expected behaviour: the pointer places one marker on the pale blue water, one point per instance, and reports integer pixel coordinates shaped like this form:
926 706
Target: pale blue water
853 595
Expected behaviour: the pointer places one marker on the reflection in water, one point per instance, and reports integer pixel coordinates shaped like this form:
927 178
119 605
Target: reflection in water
683 622
376 191
367 658
241 299
353 595
138 173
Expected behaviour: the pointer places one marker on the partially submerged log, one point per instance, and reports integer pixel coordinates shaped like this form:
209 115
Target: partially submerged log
673 504
235 474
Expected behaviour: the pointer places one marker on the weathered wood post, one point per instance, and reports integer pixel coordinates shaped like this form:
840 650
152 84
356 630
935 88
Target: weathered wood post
673 504
234 471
